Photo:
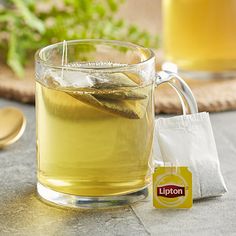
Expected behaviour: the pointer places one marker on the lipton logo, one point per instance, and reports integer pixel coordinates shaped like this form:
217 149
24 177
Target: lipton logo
172 187
170 191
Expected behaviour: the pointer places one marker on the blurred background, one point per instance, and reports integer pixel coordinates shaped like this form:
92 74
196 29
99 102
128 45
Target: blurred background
145 14
27 25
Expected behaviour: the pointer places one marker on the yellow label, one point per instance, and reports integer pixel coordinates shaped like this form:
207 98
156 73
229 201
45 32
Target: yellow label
172 187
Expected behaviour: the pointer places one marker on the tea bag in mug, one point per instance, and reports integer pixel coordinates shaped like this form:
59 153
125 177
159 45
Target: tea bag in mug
188 140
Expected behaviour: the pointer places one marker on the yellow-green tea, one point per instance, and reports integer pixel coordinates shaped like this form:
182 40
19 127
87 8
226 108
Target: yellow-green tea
200 34
95 141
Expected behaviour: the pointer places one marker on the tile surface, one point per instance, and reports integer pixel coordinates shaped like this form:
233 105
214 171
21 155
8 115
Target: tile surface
21 213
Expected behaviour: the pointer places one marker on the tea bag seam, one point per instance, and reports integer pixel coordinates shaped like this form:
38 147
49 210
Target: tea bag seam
182 121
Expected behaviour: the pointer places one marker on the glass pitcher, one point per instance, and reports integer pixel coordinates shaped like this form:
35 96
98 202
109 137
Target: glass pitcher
199 37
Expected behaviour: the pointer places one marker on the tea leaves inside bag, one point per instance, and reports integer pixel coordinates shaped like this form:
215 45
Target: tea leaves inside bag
119 95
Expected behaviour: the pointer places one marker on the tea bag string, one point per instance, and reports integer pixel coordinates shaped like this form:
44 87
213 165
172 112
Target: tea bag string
168 161
64 57
173 166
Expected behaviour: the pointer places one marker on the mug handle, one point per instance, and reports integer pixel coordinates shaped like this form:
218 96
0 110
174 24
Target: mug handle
185 94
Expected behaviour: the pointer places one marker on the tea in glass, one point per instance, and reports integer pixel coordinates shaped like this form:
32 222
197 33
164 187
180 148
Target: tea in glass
95 141
200 35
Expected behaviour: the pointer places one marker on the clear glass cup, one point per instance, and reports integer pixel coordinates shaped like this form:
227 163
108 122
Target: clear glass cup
95 121
199 37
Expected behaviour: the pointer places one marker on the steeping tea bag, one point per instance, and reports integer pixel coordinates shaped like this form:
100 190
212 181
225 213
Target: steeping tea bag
119 93
188 140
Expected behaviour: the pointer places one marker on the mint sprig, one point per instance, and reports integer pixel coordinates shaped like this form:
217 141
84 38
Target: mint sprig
26 25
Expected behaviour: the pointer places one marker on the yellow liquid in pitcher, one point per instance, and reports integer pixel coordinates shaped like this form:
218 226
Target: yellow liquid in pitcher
200 34
88 151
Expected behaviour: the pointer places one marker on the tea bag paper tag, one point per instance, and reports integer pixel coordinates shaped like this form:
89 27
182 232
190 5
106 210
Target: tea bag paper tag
172 187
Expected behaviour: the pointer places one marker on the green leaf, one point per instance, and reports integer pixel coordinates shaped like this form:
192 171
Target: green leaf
25 28
5 17
30 19
13 58
100 10
112 5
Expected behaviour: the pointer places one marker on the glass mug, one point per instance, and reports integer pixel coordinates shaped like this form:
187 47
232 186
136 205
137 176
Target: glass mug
200 35
95 121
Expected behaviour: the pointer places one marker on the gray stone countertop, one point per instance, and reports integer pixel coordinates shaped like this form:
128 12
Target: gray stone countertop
21 213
